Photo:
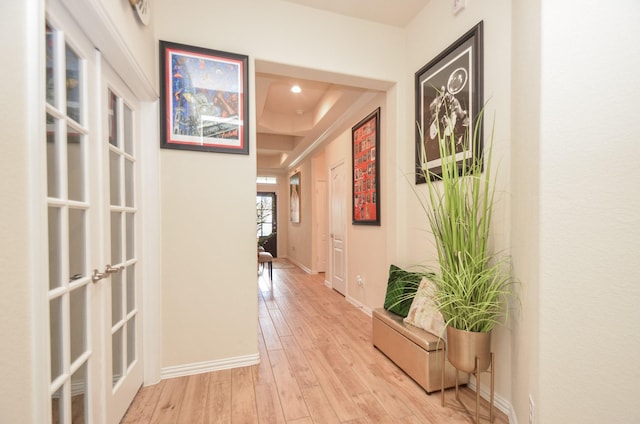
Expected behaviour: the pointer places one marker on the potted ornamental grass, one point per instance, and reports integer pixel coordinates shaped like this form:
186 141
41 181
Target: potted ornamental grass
473 284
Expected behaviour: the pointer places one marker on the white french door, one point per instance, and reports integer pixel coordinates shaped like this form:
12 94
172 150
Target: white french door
92 288
122 329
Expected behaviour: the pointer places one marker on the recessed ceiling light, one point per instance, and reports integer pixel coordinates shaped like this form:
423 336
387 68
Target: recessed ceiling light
296 89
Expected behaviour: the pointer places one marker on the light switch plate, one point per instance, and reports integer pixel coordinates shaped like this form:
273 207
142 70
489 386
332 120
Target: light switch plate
458 5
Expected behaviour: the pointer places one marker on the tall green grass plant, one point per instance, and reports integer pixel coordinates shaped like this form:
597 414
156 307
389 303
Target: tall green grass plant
473 285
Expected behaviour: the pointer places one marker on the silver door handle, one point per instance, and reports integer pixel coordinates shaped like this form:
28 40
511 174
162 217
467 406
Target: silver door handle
113 269
97 275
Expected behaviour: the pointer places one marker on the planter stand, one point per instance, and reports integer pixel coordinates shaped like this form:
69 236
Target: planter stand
476 374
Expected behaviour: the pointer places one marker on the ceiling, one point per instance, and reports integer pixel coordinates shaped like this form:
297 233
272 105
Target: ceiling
391 12
290 126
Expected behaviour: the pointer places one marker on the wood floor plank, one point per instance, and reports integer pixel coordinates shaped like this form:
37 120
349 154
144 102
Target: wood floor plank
299 365
279 322
319 406
262 373
305 420
317 366
384 390
194 405
343 368
218 410
243 397
170 401
301 331
337 396
268 404
293 403
146 400
372 409
271 338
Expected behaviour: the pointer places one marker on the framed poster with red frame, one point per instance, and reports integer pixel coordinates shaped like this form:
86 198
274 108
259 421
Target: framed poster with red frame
203 99
365 143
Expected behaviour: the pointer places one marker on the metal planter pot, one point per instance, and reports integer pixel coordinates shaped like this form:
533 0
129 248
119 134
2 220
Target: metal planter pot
464 346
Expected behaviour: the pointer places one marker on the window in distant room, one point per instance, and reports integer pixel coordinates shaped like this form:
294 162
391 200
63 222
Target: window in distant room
266 180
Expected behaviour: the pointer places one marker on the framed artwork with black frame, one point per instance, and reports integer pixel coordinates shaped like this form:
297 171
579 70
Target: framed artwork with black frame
449 97
203 99
365 147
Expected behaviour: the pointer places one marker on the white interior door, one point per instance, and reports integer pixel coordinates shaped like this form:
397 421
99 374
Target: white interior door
73 223
320 203
122 330
92 287
338 228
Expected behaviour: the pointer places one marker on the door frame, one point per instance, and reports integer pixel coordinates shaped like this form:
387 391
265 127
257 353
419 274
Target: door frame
96 24
329 278
274 220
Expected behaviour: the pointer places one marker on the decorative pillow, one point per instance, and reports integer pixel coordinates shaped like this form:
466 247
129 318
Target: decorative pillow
401 288
423 312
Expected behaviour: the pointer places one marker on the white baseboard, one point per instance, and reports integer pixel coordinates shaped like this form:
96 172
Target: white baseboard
202 367
364 308
499 402
299 265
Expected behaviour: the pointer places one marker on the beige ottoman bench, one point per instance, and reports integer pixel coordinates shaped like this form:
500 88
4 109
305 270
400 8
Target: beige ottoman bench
417 352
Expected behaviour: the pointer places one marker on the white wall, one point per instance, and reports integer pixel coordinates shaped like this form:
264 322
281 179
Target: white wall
196 186
525 208
16 261
300 239
209 274
320 230
589 222
367 253
139 38
432 31
573 96
367 244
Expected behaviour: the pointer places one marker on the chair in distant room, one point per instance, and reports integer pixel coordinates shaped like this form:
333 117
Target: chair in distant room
265 258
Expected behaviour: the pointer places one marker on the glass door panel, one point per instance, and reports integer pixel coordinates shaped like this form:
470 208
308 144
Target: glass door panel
125 368
266 211
69 239
92 214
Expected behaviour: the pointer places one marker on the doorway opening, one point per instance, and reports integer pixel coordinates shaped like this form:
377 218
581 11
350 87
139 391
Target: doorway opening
267 222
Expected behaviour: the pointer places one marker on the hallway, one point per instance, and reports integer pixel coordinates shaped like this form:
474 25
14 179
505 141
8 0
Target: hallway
318 366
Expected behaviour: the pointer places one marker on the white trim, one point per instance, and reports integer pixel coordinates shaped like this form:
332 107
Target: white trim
499 402
301 266
340 162
364 308
37 165
103 33
151 241
202 367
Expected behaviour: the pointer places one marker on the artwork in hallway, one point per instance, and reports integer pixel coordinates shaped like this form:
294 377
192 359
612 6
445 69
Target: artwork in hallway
203 96
294 198
449 94
365 143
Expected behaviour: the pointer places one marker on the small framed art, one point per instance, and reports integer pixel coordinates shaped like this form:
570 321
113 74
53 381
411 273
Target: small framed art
294 198
365 145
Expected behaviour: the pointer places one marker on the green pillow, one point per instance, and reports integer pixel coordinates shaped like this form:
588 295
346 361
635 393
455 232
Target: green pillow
401 289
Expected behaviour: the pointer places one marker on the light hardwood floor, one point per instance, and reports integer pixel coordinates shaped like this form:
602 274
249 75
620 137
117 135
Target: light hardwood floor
317 366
